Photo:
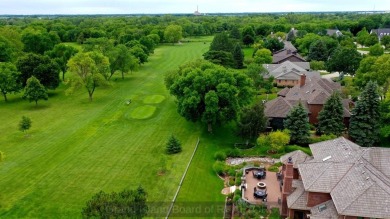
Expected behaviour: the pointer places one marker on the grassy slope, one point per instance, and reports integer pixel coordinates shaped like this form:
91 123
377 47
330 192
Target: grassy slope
77 148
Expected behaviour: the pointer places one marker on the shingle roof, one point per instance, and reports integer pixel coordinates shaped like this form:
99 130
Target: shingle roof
302 65
298 198
277 108
364 192
381 32
339 150
331 32
283 92
284 54
297 156
322 177
358 179
325 210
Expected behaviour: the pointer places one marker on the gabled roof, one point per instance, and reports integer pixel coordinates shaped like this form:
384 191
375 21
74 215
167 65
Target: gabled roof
332 32
290 75
358 179
283 92
297 156
284 54
296 65
364 191
322 177
277 108
298 198
325 210
381 32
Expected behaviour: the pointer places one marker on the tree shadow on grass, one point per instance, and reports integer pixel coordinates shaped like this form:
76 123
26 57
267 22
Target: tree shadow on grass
40 106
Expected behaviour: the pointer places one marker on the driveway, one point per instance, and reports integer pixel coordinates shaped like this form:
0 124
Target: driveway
332 75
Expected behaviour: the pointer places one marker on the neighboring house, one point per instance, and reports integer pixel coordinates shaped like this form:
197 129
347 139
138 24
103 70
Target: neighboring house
381 32
333 32
340 180
288 53
289 73
312 92
294 31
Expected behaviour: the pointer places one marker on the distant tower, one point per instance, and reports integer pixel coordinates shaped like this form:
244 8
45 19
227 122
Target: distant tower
196 13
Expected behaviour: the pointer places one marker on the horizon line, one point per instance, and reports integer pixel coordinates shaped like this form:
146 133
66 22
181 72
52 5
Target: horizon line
201 13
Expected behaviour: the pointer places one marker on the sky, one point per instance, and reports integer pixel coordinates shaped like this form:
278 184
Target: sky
29 7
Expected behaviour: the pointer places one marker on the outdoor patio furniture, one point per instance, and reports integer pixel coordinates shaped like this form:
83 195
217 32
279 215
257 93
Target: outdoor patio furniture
259 174
260 194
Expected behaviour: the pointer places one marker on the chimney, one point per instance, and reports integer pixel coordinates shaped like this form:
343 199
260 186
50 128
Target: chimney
302 81
287 185
289 51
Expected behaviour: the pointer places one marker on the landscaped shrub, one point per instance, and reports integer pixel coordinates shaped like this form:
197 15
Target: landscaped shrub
220 155
231 181
322 138
220 168
173 145
231 171
275 167
233 152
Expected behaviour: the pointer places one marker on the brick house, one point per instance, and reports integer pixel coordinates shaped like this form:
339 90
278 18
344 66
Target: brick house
288 74
312 92
340 180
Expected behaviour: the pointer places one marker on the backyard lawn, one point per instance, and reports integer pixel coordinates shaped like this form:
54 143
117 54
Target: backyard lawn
76 148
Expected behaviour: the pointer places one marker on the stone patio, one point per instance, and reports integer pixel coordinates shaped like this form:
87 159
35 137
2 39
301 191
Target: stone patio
273 188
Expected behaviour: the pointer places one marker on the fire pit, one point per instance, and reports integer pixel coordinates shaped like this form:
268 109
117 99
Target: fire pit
261 185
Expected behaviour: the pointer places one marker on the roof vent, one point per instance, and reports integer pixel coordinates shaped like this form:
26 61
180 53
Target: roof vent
322 208
363 172
326 158
367 178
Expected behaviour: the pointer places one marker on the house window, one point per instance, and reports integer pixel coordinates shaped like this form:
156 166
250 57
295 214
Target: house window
280 81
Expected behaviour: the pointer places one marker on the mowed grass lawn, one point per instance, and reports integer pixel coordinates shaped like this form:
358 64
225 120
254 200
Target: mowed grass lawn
76 148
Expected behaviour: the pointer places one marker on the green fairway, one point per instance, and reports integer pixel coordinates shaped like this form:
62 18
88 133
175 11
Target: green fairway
76 148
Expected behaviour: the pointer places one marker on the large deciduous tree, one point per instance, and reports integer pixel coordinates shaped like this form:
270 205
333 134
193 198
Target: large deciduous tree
173 33
34 91
331 116
42 67
61 54
122 60
262 56
125 204
344 60
297 122
7 51
39 41
87 71
9 76
273 44
209 93
365 119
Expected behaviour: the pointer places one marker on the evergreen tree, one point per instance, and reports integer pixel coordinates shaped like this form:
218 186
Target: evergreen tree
331 116
318 51
34 90
290 36
297 122
173 145
252 121
238 56
365 118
